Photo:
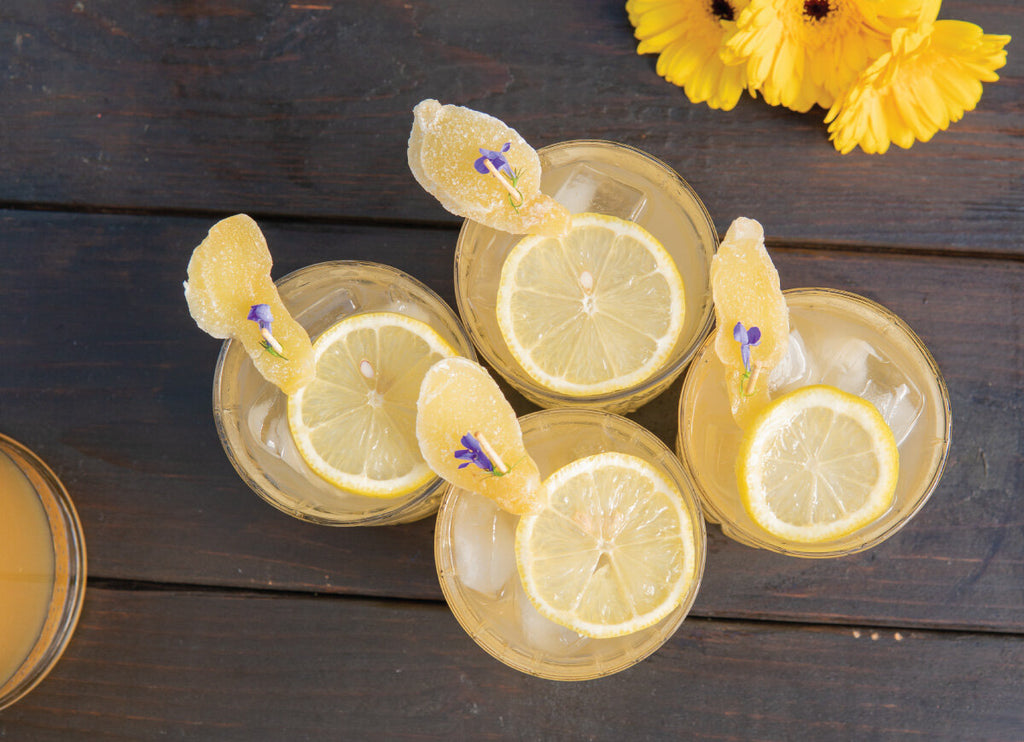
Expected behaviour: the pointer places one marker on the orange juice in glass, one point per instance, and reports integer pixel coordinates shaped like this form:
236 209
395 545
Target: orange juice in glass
42 570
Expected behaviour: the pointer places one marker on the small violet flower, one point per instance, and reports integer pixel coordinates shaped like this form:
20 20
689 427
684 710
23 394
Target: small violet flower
746 338
261 315
473 454
497 159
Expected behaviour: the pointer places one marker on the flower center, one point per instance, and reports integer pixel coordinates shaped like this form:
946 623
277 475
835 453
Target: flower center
722 10
817 9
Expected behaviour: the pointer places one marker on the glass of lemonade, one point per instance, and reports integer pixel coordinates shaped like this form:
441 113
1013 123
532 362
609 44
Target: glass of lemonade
615 180
251 413
42 570
842 340
476 564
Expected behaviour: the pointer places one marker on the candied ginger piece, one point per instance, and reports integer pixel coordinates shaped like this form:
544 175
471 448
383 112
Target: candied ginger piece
469 435
228 274
751 316
449 151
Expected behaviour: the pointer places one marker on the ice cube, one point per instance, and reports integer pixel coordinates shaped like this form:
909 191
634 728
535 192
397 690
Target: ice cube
794 371
484 545
895 395
856 367
846 366
542 633
589 189
331 305
269 416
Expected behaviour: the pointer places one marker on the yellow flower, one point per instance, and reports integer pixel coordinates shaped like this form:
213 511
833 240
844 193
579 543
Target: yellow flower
799 53
931 76
688 36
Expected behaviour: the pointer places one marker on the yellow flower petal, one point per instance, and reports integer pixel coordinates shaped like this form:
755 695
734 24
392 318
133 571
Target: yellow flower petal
688 37
799 54
931 76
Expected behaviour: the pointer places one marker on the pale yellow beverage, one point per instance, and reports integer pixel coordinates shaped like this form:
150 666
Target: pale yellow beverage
474 550
615 180
42 570
840 340
252 414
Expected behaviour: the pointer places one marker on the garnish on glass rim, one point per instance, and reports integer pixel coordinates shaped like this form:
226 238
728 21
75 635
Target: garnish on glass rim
495 163
228 280
446 140
459 398
745 286
262 316
747 339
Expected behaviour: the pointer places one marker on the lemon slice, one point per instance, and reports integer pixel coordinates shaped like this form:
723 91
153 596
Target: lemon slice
459 398
817 464
613 550
594 312
355 422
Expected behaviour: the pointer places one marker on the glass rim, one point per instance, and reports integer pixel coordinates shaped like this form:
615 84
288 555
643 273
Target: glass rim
569 671
232 347
70 575
926 491
667 373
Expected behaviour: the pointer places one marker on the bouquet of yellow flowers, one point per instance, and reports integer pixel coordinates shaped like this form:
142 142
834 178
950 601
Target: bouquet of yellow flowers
886 70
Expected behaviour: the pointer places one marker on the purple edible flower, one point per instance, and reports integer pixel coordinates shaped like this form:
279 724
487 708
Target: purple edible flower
261 315
473 454
497 159
746 338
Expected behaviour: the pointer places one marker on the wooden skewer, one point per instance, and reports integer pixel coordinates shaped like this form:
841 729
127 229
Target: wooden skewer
752 381
517 196
271 341
487 448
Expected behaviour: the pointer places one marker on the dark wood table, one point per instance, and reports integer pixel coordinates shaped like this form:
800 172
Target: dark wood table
129 128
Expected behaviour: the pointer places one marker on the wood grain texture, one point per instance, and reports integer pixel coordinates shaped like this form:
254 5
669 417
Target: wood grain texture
303 109
146 665
107 377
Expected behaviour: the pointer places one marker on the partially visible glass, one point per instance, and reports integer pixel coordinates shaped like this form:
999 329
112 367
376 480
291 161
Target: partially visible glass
251 413
42 570
842 340
475 557
616 180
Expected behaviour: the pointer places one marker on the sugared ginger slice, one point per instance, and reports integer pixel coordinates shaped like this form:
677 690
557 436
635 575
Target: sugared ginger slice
229 273
445 144
745 288
459 398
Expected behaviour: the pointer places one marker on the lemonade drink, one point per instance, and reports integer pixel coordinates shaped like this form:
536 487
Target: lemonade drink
842 340
42 570
252 414
608 179
475 544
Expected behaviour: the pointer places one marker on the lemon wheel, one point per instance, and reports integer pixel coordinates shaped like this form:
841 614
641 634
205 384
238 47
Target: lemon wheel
594 312
355 423
613 550
816 465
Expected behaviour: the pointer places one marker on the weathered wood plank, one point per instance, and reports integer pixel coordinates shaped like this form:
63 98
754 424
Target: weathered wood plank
207 665
107 377
303 109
